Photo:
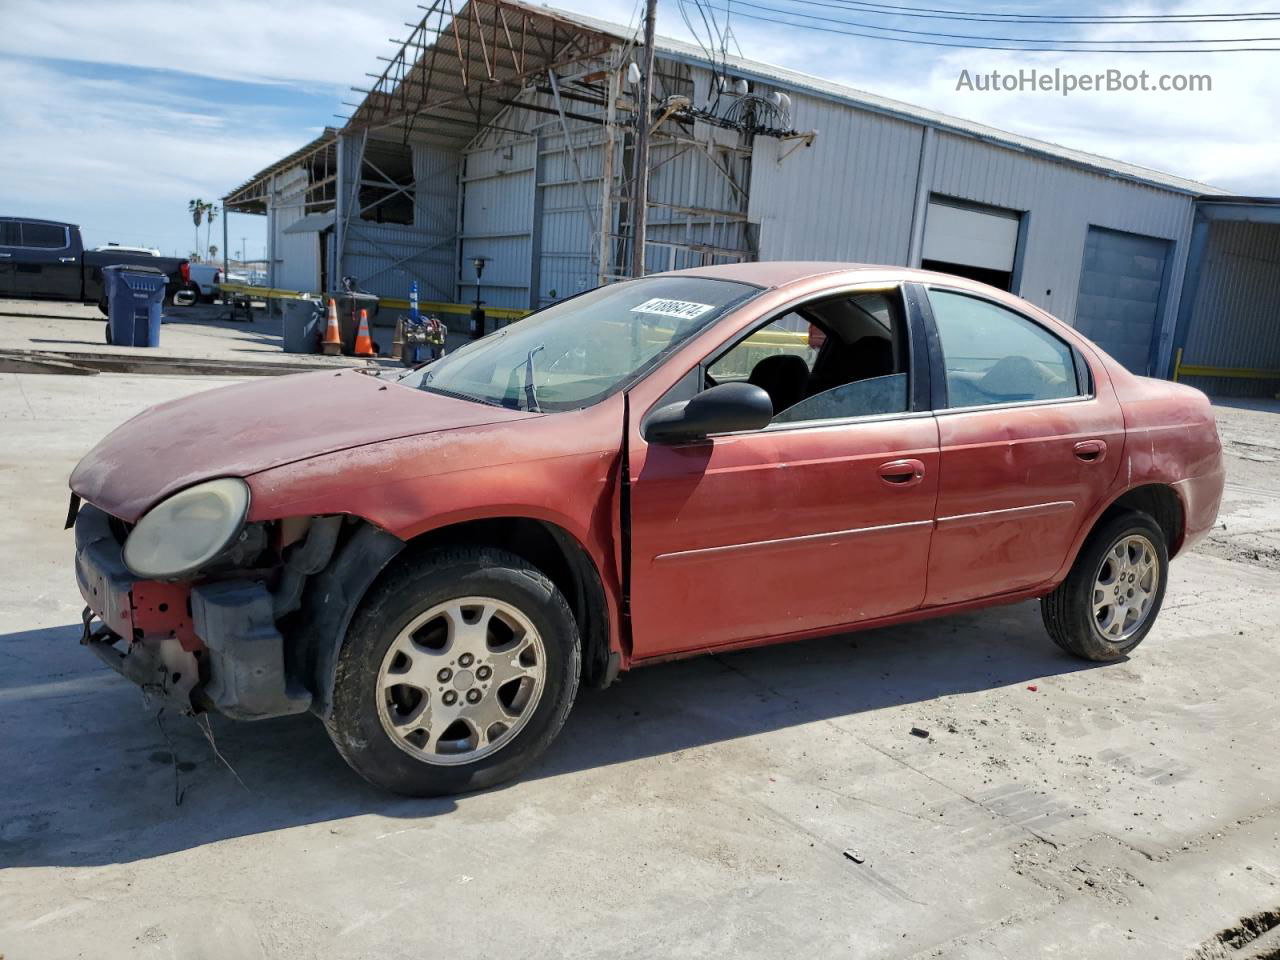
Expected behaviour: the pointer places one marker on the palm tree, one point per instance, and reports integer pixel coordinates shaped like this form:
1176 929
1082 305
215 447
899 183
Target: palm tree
211 212
197 208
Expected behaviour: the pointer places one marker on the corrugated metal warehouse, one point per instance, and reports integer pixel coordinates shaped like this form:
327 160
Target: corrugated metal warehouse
503 134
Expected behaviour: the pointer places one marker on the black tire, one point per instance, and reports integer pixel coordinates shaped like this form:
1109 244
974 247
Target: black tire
107 335
189 296
1068 612
104 307
413 588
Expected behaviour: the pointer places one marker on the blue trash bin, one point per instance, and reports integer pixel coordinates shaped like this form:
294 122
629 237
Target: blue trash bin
135 303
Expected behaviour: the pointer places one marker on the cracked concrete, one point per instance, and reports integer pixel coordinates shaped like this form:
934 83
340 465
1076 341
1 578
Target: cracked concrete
698 809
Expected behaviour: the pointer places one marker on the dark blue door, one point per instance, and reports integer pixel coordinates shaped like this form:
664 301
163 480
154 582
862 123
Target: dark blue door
1122 294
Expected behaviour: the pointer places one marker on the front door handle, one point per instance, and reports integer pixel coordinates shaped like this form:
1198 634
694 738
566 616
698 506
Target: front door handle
902 473
1091 451
66 259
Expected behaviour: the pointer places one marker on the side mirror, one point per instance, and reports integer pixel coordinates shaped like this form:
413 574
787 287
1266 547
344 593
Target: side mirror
725 408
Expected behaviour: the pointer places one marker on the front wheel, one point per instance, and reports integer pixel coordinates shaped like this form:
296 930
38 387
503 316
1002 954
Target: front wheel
458 671
1111 597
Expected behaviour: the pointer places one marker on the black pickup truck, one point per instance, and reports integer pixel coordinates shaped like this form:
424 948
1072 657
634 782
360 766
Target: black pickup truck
46 260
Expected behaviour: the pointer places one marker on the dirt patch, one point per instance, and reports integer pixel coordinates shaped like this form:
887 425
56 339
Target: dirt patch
1241 548
1250 939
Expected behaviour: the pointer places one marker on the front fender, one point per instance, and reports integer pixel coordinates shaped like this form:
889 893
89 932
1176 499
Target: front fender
328 604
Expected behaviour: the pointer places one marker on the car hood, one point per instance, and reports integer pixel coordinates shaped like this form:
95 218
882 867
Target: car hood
240 430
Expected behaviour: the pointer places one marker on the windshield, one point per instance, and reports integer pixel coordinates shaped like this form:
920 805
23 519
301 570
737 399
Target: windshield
575 353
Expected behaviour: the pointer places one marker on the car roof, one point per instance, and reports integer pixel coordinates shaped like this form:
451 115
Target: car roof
51 223
804 277
782 273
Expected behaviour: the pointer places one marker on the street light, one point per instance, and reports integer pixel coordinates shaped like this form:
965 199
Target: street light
477 312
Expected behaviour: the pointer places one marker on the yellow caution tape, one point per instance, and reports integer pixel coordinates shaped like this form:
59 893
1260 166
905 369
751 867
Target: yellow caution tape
424 306
762 338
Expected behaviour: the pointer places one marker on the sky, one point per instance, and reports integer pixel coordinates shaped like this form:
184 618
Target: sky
116 114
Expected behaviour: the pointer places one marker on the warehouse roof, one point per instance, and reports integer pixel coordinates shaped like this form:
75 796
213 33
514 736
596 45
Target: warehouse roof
782 76
426 91
251 197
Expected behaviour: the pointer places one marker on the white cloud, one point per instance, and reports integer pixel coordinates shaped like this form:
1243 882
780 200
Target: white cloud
121 159
323 43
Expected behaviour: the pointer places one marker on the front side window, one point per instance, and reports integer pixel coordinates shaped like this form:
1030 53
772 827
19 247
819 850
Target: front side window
45 235
992 355
9 235
835 358
577 352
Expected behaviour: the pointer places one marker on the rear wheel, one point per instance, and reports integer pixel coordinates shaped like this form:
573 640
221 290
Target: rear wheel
457 672
1111 597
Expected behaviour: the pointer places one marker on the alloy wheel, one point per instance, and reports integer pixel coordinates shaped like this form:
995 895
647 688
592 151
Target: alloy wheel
461 680
1125 588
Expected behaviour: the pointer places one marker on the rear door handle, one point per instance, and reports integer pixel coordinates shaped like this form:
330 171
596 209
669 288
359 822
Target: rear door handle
1091 451
902 473
66 259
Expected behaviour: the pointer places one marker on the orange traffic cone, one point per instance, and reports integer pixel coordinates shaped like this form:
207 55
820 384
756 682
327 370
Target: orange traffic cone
331 345
364 342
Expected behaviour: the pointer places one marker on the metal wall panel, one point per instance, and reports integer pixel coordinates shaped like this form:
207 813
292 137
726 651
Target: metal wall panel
847 197
1235 321
1061 203
295 257
532 205
498 185
386 257
568 204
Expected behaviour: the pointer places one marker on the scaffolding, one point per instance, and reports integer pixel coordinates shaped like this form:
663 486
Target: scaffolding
416 191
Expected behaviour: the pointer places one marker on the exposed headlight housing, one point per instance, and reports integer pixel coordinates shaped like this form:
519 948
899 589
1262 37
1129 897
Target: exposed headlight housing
183 533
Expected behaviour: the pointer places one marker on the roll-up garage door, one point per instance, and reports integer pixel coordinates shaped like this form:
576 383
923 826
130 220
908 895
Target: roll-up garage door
1121 291
980 243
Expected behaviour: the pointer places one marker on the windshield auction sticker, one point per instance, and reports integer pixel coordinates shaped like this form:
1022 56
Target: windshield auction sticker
673 308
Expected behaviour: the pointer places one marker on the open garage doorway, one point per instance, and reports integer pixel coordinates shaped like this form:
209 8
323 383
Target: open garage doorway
971 240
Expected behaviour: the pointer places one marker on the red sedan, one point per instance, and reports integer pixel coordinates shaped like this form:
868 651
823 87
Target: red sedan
693 461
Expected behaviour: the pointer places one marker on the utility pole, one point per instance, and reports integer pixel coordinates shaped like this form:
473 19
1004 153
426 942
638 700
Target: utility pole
640 203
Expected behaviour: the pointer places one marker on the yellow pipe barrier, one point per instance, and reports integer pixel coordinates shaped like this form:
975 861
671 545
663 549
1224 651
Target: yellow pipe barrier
1235 373
1181 370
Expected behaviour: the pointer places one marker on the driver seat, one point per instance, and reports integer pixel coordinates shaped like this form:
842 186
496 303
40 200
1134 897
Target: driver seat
783 377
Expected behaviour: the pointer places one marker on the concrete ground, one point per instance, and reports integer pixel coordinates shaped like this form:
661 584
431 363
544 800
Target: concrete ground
771 803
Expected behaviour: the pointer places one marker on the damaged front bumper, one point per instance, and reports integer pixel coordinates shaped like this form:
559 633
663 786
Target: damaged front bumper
212 645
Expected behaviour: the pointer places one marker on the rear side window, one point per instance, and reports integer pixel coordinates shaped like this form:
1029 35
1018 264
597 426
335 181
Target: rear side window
992 355
45 235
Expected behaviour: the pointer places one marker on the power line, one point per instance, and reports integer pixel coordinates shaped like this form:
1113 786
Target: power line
979 46
969 36
937 13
